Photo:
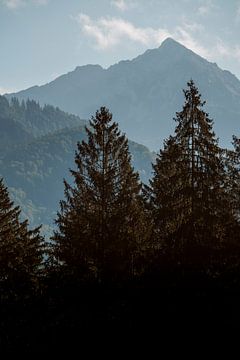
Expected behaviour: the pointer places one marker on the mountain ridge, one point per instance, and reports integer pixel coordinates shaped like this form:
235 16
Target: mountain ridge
145 93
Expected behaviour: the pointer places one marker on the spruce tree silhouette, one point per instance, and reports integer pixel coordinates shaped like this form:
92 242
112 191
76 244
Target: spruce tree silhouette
21 251
100 222
188 196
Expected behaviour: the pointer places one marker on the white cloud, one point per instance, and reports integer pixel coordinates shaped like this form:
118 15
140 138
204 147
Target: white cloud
226 51
237 19
219 50
192 27
40 2
204 10
124 5
207 8
184 36
4 90
15 4
120 4
109 32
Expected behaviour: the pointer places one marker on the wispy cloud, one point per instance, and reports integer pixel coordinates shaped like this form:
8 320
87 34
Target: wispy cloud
184 35
203 10
40 2
206 8
124 5
16 4
237 19
226 51
4 90
109 32
120 4
219 50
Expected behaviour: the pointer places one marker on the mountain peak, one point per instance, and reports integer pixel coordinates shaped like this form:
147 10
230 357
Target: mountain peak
89 67
170 42
144 92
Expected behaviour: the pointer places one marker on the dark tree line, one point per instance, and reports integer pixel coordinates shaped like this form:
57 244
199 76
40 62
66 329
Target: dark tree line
116 238
109 222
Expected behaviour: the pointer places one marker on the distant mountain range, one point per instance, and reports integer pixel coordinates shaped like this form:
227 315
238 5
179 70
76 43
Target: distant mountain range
145 93
37 147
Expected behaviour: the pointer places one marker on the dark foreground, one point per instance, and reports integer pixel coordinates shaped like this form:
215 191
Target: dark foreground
167 305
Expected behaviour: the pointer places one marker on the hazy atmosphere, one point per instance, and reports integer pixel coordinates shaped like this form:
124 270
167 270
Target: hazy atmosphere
42 39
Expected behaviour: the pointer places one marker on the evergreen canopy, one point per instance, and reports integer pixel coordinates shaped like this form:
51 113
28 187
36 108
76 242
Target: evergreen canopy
21 249
188 194
100 220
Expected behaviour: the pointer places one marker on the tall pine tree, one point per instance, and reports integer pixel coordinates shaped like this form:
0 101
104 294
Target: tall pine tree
233 168
21 250
188 195
100 222
232 165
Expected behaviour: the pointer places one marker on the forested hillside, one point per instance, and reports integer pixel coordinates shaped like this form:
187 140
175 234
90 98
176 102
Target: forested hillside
37 120
12 132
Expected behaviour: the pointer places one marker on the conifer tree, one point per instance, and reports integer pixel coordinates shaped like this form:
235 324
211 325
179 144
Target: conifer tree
232 164
21 250
100 222
188 193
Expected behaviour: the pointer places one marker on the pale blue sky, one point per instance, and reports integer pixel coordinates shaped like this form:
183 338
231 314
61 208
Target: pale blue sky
42 39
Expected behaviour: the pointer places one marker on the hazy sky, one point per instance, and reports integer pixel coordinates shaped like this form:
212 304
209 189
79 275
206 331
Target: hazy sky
42 39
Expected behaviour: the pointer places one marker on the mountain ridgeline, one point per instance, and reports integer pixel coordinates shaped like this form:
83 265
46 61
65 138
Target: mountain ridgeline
144 93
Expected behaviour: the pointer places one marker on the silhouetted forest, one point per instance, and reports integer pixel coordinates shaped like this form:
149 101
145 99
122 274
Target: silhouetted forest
127 257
